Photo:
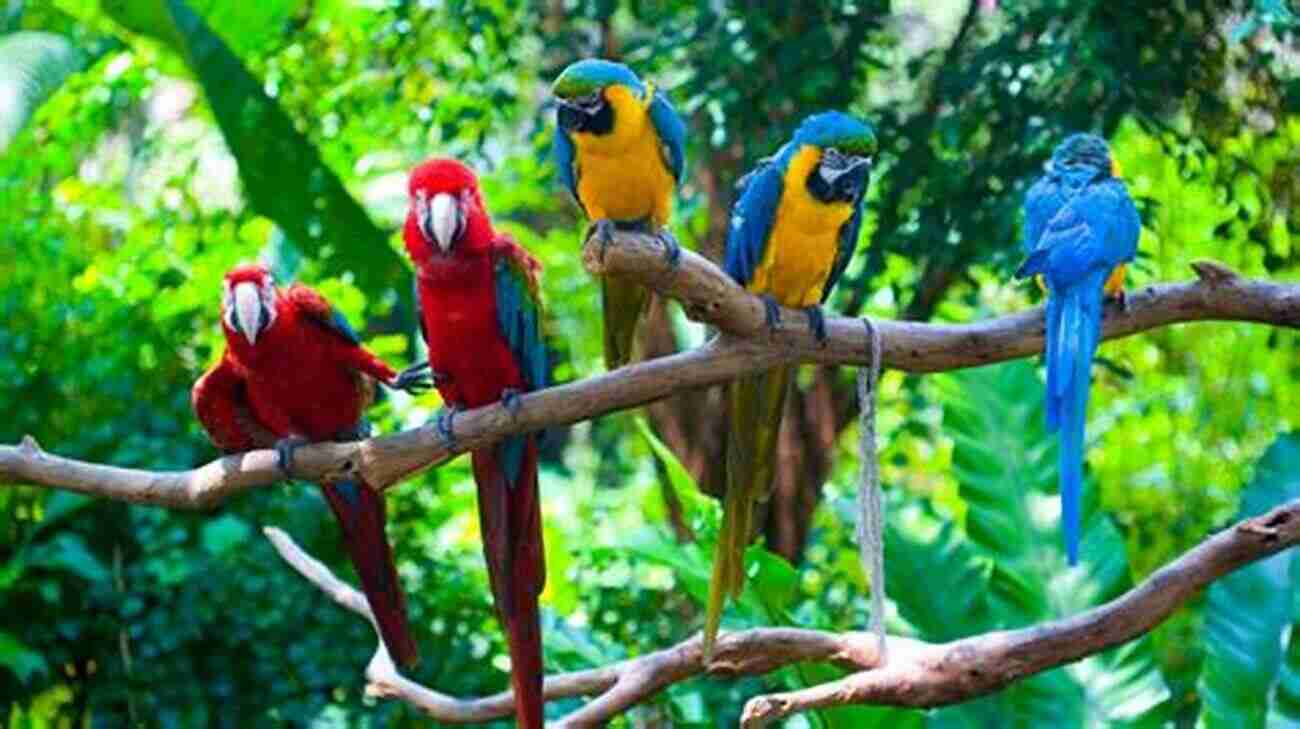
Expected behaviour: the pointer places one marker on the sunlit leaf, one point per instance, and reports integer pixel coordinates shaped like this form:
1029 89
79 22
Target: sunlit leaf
32 66
22 661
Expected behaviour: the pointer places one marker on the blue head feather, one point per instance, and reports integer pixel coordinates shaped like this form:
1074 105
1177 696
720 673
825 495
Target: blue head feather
1082 151
837 129
585 76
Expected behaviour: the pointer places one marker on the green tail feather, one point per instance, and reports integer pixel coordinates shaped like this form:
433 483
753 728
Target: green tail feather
756 405
623 303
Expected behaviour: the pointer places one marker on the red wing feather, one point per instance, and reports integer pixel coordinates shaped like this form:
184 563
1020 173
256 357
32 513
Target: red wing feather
221 404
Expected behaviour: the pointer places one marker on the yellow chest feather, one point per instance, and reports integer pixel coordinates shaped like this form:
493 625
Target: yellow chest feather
621 174
804 241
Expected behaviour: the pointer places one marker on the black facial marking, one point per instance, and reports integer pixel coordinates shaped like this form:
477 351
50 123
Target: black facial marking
263 319
846 186
592 114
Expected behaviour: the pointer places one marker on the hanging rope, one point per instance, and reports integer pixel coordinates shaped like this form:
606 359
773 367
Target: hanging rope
871 520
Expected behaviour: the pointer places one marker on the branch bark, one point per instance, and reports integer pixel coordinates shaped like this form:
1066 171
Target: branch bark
918 674
745 345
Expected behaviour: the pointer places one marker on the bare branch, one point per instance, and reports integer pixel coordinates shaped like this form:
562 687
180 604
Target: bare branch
918 674
746 346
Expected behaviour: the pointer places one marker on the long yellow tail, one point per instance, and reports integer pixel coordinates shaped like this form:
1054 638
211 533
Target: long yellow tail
756 405
623 302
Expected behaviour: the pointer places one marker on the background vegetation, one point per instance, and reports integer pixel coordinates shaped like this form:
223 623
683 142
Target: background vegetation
147 145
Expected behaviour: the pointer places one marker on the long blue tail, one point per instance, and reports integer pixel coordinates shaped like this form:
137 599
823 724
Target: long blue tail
1073 331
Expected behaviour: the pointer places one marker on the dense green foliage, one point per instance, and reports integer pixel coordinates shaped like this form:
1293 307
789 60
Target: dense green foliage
147 145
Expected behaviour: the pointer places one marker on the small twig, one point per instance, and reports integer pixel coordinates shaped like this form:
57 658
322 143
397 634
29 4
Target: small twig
918 674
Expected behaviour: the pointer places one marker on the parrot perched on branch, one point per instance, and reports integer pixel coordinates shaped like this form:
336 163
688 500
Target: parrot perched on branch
621 151
481 317
1081 229
793 230
293 372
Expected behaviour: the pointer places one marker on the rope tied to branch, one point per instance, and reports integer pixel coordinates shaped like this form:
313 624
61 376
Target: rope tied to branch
871 520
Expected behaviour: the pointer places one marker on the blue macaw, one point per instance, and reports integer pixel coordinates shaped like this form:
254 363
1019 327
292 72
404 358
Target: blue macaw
1081 229
621 152
793 230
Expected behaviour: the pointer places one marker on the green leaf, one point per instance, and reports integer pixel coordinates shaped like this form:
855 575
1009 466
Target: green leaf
694 503
244 26
61 504
283 174
33 65
1248 611
225 533
22 661
67 553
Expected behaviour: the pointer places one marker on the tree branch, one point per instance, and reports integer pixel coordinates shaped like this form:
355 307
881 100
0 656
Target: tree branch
745 346
917 674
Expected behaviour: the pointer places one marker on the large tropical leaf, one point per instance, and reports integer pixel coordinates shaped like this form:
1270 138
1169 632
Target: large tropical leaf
1014 572
32 66
283 174
1248 614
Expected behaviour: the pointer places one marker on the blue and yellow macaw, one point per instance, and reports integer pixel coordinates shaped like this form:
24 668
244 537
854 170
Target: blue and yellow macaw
793 230
1081 229
621 150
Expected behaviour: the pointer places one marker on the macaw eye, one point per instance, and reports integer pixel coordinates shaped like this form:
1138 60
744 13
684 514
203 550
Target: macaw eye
421 203
834 159
590 101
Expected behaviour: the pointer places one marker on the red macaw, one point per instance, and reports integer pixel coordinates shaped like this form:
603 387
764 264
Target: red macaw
480 314
294 371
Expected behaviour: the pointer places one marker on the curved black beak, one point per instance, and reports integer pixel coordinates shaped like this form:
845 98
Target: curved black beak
851 182
578 114
840 177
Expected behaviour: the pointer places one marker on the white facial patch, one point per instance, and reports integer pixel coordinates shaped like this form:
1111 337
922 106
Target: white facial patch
228 306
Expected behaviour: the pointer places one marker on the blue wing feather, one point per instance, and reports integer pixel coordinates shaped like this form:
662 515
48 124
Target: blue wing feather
751 222
672 134
848 244
1043 201
1097 229
339 323
519 318
566 163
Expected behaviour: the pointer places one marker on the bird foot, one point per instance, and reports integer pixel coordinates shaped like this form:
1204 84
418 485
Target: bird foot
418 378
672 249
772 312
444 423
510 401
817 323
284 450
1121 299
603 231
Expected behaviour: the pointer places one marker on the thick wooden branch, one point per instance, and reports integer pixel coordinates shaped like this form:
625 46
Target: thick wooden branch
745 346
917 674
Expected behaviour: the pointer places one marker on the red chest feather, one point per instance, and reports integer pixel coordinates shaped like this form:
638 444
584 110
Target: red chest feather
297 382
458 307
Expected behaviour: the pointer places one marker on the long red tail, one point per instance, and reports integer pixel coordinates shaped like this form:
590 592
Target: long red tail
510 516
362 516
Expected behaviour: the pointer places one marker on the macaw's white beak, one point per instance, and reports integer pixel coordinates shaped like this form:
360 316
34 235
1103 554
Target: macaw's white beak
444 220
249 318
